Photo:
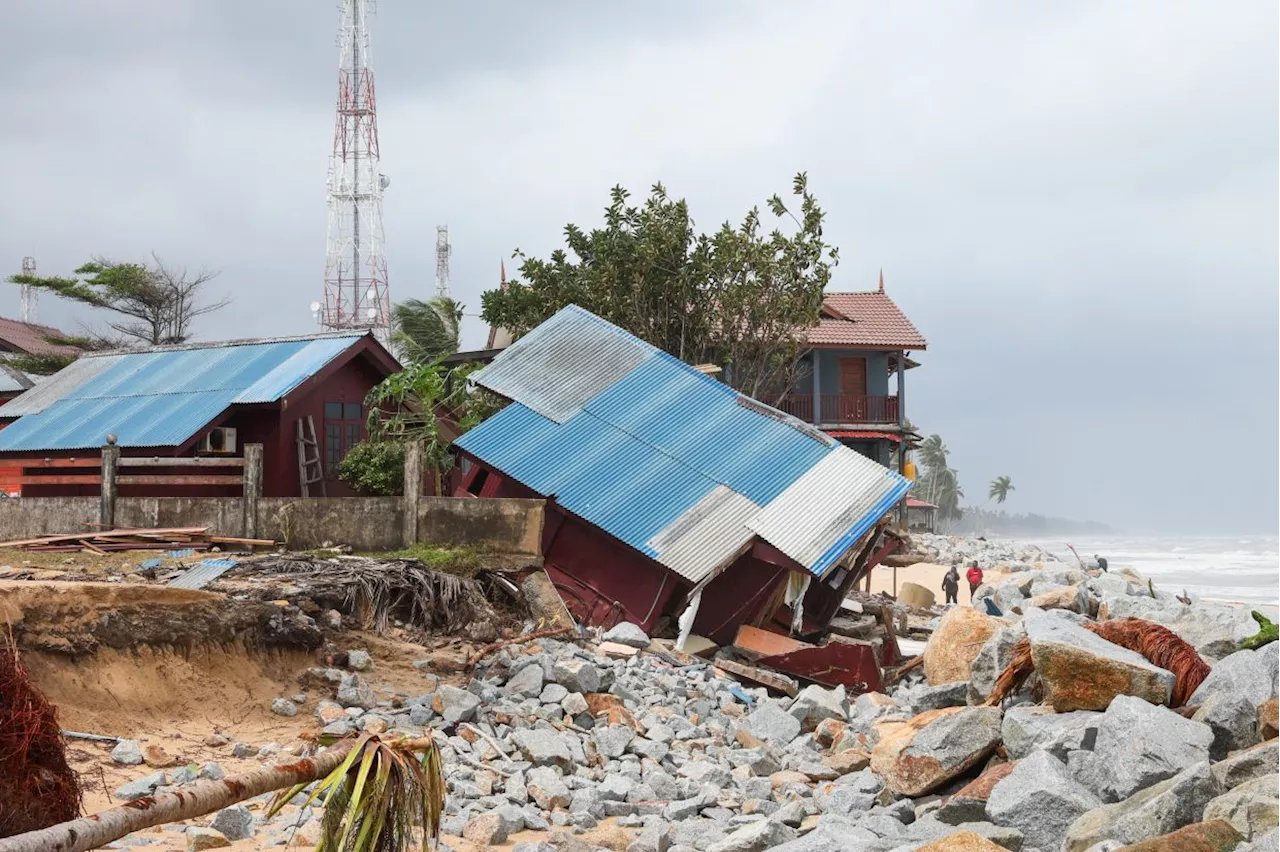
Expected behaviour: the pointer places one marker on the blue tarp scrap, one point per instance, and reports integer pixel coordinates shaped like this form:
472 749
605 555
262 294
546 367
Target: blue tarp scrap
180 554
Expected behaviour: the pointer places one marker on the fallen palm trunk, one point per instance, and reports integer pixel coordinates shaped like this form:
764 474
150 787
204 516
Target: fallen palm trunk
347 766
1159 645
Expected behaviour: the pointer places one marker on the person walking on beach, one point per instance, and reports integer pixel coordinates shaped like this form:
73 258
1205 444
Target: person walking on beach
951 583
974 576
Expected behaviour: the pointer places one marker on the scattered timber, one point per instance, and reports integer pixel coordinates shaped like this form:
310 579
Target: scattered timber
102 542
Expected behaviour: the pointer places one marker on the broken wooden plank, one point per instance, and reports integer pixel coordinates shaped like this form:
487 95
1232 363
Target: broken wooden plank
755 674
201 461
251 542
88 545
111 534
179 479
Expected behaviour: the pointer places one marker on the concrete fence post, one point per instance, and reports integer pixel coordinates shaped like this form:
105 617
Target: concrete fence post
251 488
107 486
412 490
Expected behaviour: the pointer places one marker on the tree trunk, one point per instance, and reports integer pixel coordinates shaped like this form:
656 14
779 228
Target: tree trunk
98 830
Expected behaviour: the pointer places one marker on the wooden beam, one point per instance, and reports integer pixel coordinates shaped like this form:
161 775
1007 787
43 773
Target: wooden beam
179 479
44 464
116 534
203 461
80 479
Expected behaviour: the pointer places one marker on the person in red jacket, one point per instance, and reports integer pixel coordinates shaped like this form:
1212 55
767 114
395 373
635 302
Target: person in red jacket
974 576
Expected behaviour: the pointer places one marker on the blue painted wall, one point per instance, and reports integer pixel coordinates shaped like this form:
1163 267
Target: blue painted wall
829 371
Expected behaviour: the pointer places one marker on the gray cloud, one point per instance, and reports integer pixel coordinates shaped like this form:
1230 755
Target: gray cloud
1076 204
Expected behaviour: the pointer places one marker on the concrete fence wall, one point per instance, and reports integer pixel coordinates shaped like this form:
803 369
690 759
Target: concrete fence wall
365 523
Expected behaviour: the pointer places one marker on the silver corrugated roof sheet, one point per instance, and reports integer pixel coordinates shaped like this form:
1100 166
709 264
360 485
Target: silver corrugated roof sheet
708 536
823 513
55 387
565 362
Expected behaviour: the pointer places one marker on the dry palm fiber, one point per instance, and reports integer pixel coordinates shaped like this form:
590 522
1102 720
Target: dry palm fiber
1158 644
37 787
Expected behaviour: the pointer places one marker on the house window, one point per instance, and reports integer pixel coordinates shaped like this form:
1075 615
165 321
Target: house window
343 428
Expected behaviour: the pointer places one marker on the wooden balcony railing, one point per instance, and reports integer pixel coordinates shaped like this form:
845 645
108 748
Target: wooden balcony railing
842 408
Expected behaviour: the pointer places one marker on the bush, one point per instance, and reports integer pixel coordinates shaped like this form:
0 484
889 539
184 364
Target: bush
374 467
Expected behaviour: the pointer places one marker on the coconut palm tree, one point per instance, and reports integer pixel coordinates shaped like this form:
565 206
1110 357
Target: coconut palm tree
1000 488
377 794
423 331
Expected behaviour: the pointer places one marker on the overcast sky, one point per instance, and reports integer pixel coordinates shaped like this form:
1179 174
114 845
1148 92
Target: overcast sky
1075 202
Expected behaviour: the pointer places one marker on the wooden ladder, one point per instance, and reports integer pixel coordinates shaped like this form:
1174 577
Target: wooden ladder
310 470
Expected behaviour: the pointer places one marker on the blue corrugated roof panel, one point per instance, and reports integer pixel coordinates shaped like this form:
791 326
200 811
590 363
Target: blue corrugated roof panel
162 397
651 450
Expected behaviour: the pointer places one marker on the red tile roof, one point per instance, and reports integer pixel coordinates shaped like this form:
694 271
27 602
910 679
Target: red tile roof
864 319
17 336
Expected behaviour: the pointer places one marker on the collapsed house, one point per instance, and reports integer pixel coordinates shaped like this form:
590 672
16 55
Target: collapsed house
669 494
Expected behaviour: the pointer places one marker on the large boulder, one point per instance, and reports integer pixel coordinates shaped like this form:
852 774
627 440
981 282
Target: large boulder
1233 720
991 662
1257 762
1245 674
1040 799
816 703
771 723
1253 808
1073 598
755 837
1214 630
1269 842
1082 671
1140 744
1212 836
1034 727
935 747
955 643
1157 810
961 841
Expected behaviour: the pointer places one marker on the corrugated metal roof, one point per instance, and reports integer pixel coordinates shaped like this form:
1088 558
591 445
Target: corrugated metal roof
669 460
824 512
203 574
58 385
563 363
161 397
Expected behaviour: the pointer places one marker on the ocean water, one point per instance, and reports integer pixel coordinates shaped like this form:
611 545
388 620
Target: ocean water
1226 568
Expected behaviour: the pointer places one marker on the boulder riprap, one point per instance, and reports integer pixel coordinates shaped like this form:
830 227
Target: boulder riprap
1032 727
1040 799
1253 808
354 691
816 703
1212 836
235 822
626 633
1140 744
1082 671
127 752
455 705
1157 810
935 747
991 662
956 642
205 838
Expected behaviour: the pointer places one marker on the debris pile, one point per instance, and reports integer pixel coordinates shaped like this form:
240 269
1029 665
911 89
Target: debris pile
160 538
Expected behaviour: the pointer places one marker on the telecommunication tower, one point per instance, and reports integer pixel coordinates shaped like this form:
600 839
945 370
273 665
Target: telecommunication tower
443 250
29 294
356 293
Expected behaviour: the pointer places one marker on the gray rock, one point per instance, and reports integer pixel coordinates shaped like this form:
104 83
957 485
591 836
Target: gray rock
127 752
486 830
421 715
755 837
626 633
655 838
455 705
359 661
235 822
340 728
927 697
1039 799
930 829
1031 727
184 775
535 846
1247 674
616 788
1252 808
1215 630
199 839
513 818
815 703
553 693
1233 719
545 748
284 707
1256 762
1269 842
937 748
527 682
991 662
354 691
577 675
549 792
773 725
612 741
1141 744
850 795
705 772
1155 811
682 809
574 704
140 788
211 772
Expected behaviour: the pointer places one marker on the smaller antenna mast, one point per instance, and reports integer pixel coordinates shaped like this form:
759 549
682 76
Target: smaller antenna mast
30 297
443 250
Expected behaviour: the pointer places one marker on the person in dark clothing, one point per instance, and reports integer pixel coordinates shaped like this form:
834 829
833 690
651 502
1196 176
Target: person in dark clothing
1102 563
951 584
974 576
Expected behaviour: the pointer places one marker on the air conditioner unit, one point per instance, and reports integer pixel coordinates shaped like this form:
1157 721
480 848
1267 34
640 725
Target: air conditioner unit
219 441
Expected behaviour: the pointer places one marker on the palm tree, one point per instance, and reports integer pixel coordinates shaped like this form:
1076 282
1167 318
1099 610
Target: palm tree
1000 488
423 331
949 494
934 453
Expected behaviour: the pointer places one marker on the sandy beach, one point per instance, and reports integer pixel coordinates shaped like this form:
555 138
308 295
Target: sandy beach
928 575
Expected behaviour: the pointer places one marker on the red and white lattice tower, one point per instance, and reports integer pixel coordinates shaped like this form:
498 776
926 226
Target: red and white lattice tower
356 294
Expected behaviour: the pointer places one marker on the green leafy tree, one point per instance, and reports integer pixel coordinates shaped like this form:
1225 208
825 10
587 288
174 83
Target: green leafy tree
1000 488
423 331
374 467
153 303
740 297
